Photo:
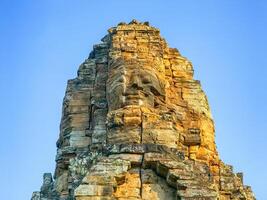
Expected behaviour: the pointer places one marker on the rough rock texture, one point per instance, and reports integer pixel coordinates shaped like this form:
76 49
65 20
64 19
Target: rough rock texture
136 125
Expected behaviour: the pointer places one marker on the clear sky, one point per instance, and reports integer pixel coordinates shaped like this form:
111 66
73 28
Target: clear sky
43 42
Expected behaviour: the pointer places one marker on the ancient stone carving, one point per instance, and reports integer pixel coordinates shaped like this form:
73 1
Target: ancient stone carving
136 125
129 84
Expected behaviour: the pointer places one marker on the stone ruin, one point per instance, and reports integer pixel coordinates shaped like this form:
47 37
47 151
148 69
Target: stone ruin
136 125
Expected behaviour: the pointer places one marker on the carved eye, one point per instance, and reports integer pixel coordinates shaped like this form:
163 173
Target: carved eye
155 91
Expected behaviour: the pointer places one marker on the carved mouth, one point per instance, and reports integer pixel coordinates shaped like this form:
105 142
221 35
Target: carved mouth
134 100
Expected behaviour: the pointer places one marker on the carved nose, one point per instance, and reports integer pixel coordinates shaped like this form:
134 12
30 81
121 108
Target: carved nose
136 83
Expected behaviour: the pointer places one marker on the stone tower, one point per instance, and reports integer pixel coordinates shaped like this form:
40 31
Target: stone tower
136 125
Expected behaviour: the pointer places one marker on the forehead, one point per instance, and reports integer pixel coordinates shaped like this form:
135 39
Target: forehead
133 68
122 68
132 64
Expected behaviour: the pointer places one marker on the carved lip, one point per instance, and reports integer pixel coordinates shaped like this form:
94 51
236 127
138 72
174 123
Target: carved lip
135 99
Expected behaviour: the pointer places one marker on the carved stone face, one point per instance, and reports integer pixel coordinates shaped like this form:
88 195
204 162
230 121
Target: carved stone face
133 85
47 180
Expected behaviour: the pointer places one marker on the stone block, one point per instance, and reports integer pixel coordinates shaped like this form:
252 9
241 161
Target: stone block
79 141
36 196
227 184
93 190
135 159
124 135
192 139
166 137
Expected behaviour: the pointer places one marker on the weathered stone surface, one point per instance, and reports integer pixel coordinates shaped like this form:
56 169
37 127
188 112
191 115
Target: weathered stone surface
136 125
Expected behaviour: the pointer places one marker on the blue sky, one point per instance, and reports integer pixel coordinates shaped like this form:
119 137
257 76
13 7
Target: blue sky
43 42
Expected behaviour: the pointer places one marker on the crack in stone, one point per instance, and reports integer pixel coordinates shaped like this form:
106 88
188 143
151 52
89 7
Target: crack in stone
141 166
140 176
141 136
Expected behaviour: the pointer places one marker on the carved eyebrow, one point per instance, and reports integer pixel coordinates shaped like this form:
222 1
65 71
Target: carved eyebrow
153 75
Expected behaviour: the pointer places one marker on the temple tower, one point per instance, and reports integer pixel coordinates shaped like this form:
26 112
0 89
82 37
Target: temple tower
137 125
